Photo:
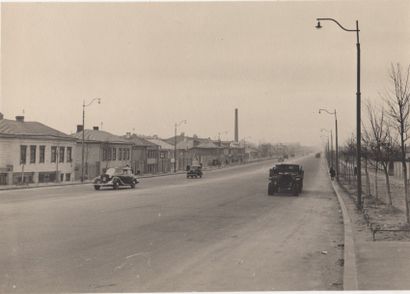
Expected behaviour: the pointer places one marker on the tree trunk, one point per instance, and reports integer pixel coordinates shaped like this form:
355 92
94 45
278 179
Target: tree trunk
376 188
404 167
386 174
366 171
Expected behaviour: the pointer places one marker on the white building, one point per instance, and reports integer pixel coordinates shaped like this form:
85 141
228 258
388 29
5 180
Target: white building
31 152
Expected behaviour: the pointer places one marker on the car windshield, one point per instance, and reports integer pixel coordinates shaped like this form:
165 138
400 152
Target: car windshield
110 171
126 171
287 168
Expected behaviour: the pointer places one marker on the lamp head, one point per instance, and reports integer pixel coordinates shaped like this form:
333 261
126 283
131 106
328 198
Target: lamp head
318 26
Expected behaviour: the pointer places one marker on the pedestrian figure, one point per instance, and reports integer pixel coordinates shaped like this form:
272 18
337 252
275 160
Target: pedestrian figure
332 173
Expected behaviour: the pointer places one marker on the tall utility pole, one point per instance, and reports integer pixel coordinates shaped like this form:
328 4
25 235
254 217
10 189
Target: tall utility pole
336 139
82 141
236 126
358 107
175 144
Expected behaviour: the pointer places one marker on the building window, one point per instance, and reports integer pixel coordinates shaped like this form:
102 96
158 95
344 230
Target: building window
114 153
46 177
128 154
68 177
23 154
53 154
3 179
152 154
104 155
19 178
33 153
61 155
69 154
42 154
109 153
120 154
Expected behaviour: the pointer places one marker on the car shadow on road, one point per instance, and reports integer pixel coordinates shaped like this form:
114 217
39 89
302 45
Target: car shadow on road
318 193
306 193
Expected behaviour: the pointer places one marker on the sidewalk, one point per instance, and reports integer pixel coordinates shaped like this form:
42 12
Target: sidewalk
378 265
42 185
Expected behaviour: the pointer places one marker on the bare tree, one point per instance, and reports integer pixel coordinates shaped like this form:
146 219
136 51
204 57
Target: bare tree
381 145
398 102
367 154
348 153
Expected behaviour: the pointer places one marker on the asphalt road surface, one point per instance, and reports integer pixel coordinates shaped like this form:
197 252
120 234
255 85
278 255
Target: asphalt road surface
219 233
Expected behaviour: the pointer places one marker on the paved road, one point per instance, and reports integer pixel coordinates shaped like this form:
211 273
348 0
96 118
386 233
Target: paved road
218 233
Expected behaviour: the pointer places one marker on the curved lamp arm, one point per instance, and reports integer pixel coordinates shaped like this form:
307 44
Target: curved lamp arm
99 102
318 26
328 112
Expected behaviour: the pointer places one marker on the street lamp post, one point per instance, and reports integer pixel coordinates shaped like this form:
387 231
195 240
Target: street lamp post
336 139
244 146
329 147
175 145
358 107
82 141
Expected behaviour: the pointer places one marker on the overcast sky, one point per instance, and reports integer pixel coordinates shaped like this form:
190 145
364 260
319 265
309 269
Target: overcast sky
154 64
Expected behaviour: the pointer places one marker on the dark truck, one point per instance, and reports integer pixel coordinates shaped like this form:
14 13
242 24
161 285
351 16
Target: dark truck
286 178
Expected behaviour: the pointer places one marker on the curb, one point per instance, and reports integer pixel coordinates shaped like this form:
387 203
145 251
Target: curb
24 187
350 270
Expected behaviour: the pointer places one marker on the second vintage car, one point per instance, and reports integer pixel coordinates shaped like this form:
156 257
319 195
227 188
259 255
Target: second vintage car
194 171
286 178
115 177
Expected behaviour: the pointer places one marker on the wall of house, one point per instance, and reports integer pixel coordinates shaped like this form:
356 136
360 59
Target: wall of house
138 159
13 171
164 161
94 161
152 160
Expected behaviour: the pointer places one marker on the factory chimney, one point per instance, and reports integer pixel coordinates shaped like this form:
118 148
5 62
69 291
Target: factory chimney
236 126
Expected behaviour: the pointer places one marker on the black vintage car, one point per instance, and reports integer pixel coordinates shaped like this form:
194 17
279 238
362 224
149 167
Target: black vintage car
115 177
194 171
286 178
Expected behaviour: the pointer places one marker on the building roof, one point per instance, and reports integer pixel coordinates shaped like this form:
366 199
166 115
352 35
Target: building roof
207 145
99 136
30 129
138 141
251 149
185 145
161 143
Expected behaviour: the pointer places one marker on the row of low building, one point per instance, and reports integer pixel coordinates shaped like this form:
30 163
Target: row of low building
31 152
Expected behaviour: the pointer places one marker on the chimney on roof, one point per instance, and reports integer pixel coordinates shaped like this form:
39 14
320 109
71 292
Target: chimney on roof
95 128
236 125
128 135
1 115
20 118
79 128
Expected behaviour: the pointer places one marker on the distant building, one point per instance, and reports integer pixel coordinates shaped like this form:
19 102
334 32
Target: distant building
195 150
251 153
31 152
102 150
144 155
165 154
